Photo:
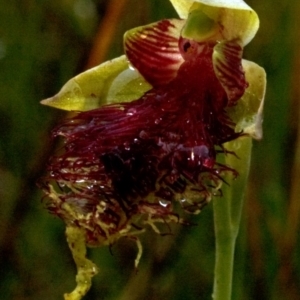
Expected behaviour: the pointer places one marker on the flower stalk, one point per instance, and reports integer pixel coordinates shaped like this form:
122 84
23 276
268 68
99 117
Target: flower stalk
227 216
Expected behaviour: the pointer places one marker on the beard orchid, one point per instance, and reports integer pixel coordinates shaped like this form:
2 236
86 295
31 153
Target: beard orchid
152 124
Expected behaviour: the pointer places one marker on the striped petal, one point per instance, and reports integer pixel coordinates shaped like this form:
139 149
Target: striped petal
153 50
248 113
227 62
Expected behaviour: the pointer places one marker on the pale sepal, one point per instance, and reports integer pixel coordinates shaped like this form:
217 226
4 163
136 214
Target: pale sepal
97 86
236 19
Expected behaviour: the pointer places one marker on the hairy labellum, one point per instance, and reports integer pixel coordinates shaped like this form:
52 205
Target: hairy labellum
127 165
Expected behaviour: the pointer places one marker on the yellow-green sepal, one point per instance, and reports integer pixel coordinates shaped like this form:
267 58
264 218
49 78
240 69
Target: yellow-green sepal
236 20
111 82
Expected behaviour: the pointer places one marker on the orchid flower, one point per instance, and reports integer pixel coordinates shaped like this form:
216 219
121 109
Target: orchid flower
167 125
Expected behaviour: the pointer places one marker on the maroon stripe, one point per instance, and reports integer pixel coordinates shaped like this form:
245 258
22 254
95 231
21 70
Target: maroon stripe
152 55
156 48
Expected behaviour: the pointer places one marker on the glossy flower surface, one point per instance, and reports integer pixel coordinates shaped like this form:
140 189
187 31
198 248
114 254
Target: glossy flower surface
181 92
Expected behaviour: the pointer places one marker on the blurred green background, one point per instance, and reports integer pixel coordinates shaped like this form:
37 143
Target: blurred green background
43 44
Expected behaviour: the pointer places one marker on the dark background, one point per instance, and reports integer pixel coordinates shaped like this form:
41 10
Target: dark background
43 44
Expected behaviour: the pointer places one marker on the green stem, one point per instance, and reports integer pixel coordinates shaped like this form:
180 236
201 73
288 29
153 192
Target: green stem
227 215
225 244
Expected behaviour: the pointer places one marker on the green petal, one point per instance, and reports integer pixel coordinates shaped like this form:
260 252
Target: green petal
248 113
236 19
112 81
